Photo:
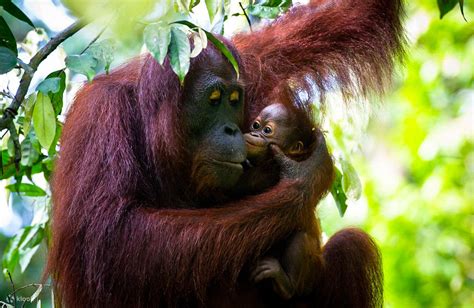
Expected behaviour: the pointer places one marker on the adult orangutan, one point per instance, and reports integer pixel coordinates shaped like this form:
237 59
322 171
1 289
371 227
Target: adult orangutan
144 162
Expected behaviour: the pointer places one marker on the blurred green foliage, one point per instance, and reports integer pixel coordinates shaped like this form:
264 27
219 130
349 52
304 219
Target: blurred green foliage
417 167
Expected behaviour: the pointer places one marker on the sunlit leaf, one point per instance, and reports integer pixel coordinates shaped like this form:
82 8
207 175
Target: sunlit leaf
22 247
28 107
11 256
212 7
157 38
217 43
30 150
103 52
193 4
350 181
269 9
183 5
57 97
11 147
25 189
52 149
26 255
179 52
199 42
83 64
49 85
44 120
338 193
7 60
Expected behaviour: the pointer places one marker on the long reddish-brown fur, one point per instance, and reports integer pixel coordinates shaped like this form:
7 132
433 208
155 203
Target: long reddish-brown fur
126 229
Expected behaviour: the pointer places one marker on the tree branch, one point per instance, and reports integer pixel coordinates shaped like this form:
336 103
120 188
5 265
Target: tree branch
25 81
246 16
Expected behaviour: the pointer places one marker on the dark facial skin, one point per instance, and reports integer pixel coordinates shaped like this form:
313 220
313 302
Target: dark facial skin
214 111
274 125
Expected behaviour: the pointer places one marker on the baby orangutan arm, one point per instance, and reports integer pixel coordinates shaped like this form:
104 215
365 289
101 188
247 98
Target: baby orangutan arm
295 273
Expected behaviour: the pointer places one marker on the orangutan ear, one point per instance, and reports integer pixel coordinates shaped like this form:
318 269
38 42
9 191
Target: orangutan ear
296 148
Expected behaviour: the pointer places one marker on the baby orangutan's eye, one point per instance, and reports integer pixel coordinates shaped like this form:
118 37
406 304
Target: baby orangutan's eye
256 125
267 130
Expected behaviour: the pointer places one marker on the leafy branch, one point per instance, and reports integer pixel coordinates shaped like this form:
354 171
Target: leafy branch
12 110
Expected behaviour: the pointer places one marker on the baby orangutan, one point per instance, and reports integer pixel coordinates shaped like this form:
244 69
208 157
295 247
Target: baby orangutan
292 132
293 271
275 125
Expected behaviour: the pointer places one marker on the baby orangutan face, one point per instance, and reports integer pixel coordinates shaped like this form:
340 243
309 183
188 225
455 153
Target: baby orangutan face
274 125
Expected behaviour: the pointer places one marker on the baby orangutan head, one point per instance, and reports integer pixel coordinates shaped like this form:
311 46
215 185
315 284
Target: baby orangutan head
277 125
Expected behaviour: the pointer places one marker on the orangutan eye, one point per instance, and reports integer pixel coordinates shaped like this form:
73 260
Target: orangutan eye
267 130
256 125
215 97
234 98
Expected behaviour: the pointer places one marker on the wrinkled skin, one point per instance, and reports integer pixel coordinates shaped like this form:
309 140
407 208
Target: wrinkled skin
214 110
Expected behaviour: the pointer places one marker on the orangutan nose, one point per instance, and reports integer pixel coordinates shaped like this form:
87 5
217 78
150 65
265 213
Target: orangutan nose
231 129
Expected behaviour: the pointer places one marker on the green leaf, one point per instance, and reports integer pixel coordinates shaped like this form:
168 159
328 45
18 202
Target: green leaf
15 11
22 247
157 37
338 193
11 256
28 109
212 7
25 257
350 181
52 149
179 52
103 52
83 64
6 37
7 60
57 97
30 150
193 4
224 50
8 169
269 9
25 189
445 6
44 120
183 5
11 147
217 43
47 167
52 85
461 6
199 42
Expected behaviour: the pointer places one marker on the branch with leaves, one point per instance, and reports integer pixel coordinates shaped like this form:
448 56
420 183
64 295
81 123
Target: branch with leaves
44 52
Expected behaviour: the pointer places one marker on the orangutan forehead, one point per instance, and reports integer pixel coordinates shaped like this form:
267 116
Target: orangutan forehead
277 113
